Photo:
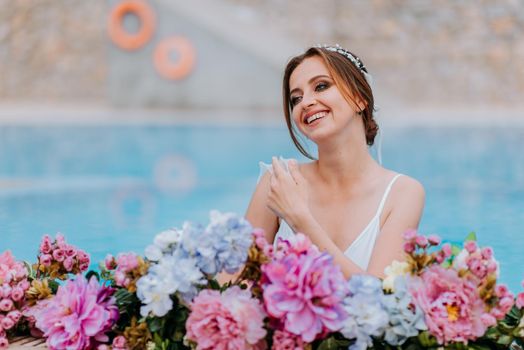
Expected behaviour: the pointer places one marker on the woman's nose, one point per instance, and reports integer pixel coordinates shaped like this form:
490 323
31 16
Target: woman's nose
308 101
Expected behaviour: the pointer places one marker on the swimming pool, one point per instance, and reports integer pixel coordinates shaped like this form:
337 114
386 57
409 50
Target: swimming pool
112 188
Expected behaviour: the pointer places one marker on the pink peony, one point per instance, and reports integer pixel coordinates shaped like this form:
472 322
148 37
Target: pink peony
232 320
454 311
304 289
78 316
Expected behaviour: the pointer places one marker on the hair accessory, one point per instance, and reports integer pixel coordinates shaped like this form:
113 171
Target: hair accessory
355 60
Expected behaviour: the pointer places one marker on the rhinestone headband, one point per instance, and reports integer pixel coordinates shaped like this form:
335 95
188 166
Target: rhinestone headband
355 60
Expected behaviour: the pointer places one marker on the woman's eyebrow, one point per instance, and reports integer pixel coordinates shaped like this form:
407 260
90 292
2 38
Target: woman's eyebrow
310 81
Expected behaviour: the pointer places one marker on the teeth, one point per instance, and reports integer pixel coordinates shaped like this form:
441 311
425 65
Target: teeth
315 117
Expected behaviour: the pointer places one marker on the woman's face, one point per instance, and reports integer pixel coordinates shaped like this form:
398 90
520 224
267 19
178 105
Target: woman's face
318 108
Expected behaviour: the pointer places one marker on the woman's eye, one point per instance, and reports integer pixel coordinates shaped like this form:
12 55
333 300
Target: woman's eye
294 100
321 86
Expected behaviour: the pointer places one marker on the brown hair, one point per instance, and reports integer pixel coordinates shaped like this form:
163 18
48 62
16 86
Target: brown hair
348 79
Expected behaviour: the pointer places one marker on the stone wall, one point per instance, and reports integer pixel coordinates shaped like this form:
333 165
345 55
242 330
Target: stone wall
421 52
53 50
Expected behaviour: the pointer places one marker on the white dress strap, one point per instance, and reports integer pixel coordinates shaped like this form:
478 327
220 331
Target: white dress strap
386 193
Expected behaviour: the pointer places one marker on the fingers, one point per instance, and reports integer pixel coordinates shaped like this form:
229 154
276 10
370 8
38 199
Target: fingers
277 168
295 171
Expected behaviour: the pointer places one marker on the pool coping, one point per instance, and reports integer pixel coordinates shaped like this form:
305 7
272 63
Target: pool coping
87 115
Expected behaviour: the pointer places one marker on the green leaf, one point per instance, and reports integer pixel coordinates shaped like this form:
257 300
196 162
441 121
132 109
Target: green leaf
455 249
155 324
426 339
479 347
328 344
472 236
213 284
53 285
505 339
92 273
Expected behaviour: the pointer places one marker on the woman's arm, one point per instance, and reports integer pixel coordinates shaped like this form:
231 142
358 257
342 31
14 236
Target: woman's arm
288 197
259 216
407 203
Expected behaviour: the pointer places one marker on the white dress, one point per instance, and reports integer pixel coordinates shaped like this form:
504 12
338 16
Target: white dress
362 247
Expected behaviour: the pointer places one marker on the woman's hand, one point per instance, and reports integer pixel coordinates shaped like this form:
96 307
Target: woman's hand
288 195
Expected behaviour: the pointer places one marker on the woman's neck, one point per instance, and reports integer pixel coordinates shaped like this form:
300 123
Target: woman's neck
342 167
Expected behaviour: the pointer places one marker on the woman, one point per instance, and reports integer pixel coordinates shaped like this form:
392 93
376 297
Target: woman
344 201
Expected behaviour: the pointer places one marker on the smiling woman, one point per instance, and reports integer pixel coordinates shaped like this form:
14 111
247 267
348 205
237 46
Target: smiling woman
347 203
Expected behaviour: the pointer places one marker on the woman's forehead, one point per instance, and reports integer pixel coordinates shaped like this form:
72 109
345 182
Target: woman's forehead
307 69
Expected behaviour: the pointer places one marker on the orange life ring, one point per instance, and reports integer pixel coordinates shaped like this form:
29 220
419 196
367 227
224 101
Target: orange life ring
120 36
182 66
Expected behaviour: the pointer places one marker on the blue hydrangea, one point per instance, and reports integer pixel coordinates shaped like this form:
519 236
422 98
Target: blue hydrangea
405 319
176 272
222 245
180 258
367 315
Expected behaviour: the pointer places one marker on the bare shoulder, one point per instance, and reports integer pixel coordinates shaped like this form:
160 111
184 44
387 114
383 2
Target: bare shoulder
409 185
258 214
407 191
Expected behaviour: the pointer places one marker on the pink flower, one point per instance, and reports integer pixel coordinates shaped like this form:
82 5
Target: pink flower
83 257
110 262
409 247
6 305
487 253
520 300
68 264
10 268
305 291
421 241
410 235
283 340
3 342
5 291
232 320
46 259
70 251
45 245
119 342
127 261
434 240
60 241
121 279
15 315
17 294
471 246
78 315
452 306
7 323
58 255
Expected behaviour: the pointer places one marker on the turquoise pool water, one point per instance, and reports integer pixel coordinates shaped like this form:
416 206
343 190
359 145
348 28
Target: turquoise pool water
112 188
